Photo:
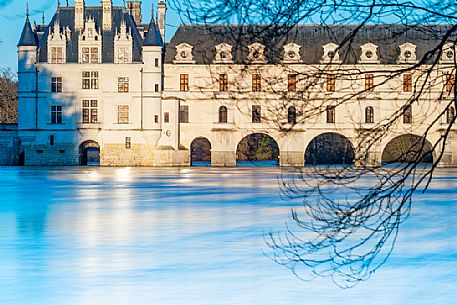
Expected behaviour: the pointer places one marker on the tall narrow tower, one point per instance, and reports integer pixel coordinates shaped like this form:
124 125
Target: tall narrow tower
27 77
107 14
161 14
79 15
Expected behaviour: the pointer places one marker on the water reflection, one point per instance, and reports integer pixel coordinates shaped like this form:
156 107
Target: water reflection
192 236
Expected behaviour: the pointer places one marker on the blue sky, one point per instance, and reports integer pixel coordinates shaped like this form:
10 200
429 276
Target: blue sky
12 18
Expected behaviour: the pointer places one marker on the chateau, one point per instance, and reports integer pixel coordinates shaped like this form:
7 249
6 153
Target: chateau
98 83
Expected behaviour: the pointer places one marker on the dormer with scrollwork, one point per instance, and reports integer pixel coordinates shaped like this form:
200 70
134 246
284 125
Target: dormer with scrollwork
57 44
123 45
369 54
331 54
292 53
407 53
256 53
184 53
223 54
448 55
90 43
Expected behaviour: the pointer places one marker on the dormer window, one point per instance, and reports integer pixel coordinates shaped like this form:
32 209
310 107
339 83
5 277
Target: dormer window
90 44
448 55
292 53
407 53
123 45
331 54
57 42
223 53
256 53
369 53
184 53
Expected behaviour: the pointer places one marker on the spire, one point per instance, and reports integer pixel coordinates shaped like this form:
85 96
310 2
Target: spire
42 19
28 37
153 37
27 11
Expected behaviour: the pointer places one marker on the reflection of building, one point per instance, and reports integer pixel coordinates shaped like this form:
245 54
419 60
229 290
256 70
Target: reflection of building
98 78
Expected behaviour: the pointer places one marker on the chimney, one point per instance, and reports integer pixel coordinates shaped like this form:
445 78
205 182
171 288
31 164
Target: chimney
161 10
134 8
107 14
79 15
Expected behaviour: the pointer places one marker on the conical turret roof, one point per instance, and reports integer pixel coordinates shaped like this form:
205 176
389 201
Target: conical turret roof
153 37
28 37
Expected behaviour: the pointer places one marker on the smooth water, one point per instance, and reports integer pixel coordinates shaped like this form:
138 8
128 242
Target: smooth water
193 236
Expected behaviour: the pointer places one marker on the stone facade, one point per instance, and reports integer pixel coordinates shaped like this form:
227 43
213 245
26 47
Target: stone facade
111 81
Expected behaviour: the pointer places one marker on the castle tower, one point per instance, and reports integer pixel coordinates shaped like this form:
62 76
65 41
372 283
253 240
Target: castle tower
27 76
134 8
161 11
79 15
107 14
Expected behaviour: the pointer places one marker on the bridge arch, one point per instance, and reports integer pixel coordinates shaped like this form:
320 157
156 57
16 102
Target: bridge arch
200 152
89 153
330 148
257 147
407 148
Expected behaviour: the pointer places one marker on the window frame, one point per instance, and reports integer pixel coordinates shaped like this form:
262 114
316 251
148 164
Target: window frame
292 115
184 114
184 82
90 80
223 82
369 82
369 115
123 114
56 114
56 84
256 82
331 82
123 84
407 114
292 82
407 82
89 111
223 114
330 114
256 114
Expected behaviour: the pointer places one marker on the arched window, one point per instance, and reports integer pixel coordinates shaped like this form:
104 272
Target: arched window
291 115
369 115
450 115
222 114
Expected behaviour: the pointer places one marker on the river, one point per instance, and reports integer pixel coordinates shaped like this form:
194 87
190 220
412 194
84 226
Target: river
134 236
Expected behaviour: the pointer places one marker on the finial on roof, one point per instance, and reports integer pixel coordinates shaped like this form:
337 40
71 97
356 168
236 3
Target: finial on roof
27 11
42 19
58 3
67 3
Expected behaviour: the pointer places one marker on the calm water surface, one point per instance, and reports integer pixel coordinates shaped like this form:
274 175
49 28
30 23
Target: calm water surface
193 236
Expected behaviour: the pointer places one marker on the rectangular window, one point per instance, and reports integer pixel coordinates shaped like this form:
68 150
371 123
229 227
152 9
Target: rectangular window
256 83
450 80
330 114
166 117
223 82
123 54
407 83
51 140
90 111
407 115
256 114
156 119
128 142
56 114
89 55
156 61
184 114
56 84
156 87
123 114
123 84
90 80
369 82
184 82
56 55
331 82
292 83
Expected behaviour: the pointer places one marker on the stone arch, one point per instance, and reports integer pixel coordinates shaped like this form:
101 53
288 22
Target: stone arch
407 148
257 147
330 148
200 152
89 153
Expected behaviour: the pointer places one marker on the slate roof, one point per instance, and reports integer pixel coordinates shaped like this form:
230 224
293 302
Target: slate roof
28 37
66 17
153 36
311 38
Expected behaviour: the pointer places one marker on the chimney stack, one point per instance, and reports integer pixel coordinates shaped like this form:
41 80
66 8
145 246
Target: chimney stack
134 8
79 15
161 11
107 14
